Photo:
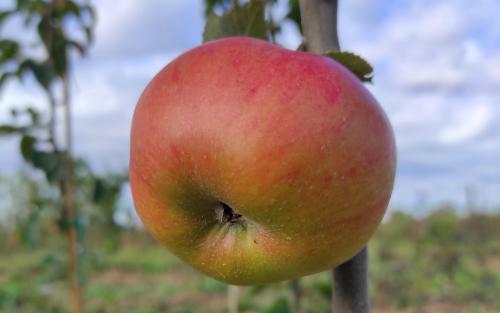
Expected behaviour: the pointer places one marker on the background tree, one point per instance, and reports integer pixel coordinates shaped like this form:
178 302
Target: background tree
41 144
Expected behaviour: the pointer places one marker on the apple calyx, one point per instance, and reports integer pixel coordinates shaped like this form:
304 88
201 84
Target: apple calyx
227 215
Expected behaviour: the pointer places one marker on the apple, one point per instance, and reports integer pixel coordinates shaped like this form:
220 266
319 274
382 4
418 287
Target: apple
256 164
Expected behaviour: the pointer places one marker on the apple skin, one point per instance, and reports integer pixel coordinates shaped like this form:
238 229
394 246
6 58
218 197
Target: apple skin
290 140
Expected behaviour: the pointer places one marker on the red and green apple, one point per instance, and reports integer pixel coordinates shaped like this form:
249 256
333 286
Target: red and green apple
256 164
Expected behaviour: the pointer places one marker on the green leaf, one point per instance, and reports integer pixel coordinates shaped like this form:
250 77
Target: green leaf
51 163
43 72
99 190
4 15
4 77
294 13
22 4
55 42
34 115
107 188
34 9
27 147
91 11
241 20
210 5
78 46
9 49
353 62
88 23
46 31
73 8
8 129
280 306
37 7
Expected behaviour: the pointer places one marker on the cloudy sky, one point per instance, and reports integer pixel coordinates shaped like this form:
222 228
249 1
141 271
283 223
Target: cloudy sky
437 75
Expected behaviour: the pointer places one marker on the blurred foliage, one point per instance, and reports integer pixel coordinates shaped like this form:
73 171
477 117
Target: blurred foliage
442 258
253 18
243 20
216 5
47 60
50 19
62 28
441 263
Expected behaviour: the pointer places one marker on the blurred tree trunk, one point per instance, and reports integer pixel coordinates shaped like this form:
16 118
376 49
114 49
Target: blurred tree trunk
319 24
69 211
296 296
232 298
38 145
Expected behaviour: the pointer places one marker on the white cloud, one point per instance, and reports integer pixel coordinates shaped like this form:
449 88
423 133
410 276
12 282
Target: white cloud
112 85
466 123
132 28
436 74
472 52
491 68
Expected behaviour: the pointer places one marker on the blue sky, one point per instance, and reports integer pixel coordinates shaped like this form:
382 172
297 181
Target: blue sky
437 75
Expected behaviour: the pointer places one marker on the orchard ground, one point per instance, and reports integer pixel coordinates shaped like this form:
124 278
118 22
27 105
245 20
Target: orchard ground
442 263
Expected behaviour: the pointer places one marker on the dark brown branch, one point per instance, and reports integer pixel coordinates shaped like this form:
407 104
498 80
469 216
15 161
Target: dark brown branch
68 194
51 125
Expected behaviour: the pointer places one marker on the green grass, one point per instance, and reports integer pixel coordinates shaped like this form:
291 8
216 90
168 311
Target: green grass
443 263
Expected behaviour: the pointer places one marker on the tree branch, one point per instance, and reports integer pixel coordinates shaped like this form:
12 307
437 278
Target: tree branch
232 298
319 23
68 194
51 126
350 292
296 296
